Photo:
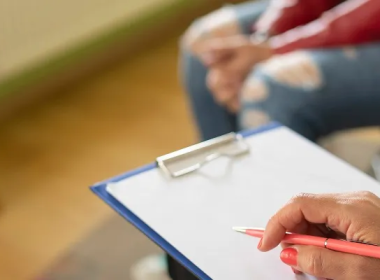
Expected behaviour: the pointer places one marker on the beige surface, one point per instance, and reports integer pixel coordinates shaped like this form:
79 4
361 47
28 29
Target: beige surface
52 152
356 146
34 30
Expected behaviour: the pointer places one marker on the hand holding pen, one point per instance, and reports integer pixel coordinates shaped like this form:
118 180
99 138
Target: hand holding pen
354 217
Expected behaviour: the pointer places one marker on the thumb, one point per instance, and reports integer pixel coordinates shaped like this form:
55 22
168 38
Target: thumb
321 262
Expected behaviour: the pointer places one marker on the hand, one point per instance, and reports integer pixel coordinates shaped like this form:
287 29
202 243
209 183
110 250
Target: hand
229 61
353 215
221 23
235 54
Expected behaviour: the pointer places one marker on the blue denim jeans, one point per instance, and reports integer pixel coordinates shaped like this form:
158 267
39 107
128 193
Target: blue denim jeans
340 90
326 91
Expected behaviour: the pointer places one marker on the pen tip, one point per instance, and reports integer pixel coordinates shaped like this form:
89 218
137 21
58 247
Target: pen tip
239 229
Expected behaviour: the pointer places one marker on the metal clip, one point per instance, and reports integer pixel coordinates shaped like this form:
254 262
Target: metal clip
190 159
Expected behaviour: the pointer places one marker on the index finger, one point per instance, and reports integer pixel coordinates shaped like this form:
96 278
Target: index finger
311 208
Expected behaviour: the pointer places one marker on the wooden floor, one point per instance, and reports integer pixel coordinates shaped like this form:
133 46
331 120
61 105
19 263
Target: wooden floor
52 152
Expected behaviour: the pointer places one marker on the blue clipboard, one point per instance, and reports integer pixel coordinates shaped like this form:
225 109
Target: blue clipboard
100 190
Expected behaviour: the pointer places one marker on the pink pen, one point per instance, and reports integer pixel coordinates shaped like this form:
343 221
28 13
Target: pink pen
350 247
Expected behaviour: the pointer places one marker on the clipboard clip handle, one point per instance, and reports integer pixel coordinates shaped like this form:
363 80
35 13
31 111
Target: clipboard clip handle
190 159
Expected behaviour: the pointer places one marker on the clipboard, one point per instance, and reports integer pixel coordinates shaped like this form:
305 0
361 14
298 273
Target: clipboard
100 190
189 160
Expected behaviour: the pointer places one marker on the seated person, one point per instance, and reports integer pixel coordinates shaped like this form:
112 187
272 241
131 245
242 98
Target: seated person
318 71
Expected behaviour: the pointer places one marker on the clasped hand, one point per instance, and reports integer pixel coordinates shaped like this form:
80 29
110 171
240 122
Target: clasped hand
229 61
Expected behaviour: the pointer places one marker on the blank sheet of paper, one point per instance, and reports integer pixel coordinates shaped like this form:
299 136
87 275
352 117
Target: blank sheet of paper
195 213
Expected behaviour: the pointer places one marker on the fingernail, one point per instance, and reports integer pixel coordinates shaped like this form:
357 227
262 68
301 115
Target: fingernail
296 271
260 243
289 256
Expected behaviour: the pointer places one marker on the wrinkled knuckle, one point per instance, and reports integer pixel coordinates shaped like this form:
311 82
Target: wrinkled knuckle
315 264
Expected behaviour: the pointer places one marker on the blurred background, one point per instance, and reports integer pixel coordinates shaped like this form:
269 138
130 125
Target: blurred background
88 90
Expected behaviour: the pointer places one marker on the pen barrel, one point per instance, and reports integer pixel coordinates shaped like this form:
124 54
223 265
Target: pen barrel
354 248
300 239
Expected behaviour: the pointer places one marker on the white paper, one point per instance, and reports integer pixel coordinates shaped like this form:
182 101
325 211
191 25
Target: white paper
195 213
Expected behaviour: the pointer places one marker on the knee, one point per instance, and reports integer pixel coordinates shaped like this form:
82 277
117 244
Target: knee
297 70
281 90
254 94
264 100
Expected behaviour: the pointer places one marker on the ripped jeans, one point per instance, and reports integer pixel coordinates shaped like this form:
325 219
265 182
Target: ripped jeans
314 92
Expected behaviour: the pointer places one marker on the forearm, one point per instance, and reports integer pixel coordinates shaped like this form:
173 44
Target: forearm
284 15
352 22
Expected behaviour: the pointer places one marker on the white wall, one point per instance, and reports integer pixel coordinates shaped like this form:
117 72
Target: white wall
31 30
